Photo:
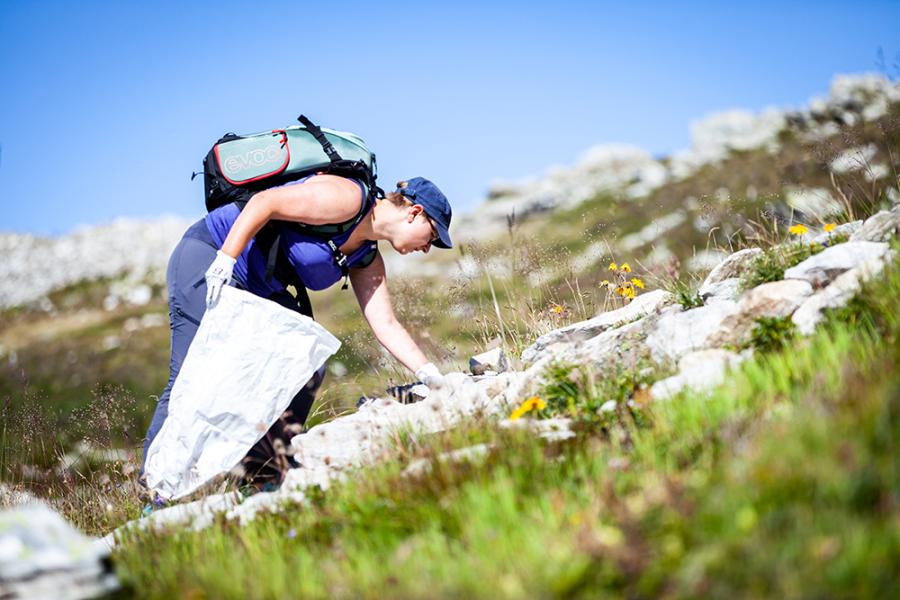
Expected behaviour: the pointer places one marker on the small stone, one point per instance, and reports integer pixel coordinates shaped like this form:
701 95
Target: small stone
732 267
608 406
491 361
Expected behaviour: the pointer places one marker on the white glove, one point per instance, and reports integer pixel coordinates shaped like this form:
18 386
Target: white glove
430 376
217 276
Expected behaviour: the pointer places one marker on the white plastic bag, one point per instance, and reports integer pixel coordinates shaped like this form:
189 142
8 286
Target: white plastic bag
249 358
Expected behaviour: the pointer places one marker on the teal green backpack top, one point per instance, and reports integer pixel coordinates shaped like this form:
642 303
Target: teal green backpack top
238 166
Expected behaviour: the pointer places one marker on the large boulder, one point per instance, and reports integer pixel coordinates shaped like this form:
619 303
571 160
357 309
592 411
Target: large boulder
642 305
42 556
700 370
728 290
773 299
679 332
837 294
820 269
732 267
880 227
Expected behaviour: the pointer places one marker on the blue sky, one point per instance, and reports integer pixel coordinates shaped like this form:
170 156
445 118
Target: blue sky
108 107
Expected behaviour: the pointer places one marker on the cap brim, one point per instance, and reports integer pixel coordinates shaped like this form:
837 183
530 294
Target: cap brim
444 237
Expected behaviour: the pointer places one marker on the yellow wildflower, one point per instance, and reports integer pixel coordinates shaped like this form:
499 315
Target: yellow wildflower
626 268
557 309
829 227
604 283
613 267
629 293
798 229
620 290
533 403
637 282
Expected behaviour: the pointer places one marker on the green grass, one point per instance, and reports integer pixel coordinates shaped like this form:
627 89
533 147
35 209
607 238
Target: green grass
782 482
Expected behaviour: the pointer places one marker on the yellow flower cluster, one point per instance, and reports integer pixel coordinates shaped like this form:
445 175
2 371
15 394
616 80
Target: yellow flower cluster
624 287
798 229
531 404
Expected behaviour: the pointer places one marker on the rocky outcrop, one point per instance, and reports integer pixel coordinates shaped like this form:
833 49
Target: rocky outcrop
699 370
732 267
642 306
820 269
879 227
626 172
844 287
34 266
774 299
682 331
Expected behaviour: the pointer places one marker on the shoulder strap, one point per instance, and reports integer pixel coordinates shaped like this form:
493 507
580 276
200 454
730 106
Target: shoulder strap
368 258
330 230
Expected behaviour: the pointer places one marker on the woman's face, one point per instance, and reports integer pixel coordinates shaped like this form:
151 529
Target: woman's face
415 231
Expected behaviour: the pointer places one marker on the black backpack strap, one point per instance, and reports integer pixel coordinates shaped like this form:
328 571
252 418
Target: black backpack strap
269 242
320 137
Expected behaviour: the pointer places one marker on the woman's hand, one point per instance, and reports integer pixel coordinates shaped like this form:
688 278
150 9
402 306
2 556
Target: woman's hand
430 376
218 276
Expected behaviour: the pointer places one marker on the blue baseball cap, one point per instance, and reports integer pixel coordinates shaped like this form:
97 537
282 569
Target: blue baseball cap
421 191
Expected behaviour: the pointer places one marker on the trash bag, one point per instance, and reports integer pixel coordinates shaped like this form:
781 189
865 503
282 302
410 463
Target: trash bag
249 358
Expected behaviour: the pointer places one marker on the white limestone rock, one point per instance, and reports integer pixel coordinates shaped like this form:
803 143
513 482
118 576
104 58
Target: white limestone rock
844 287
492 360
714 136
470 454
728 290
679 332
812 202
42 556
650 232
880 227
820 269
700 370
552 430
705 259
847 229
33 266
642 305
854 159
732 267
773 299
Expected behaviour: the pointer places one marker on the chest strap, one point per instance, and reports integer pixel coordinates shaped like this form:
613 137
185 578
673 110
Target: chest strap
341 259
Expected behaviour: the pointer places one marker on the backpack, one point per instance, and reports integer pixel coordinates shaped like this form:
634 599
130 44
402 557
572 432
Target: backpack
238 166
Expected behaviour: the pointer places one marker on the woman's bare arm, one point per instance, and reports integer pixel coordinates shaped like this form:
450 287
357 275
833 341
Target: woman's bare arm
370 287
322 199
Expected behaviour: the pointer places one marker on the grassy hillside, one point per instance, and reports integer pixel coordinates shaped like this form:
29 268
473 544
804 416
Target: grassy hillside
782 482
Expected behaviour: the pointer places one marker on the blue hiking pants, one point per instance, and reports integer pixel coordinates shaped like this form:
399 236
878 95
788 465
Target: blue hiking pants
186 283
